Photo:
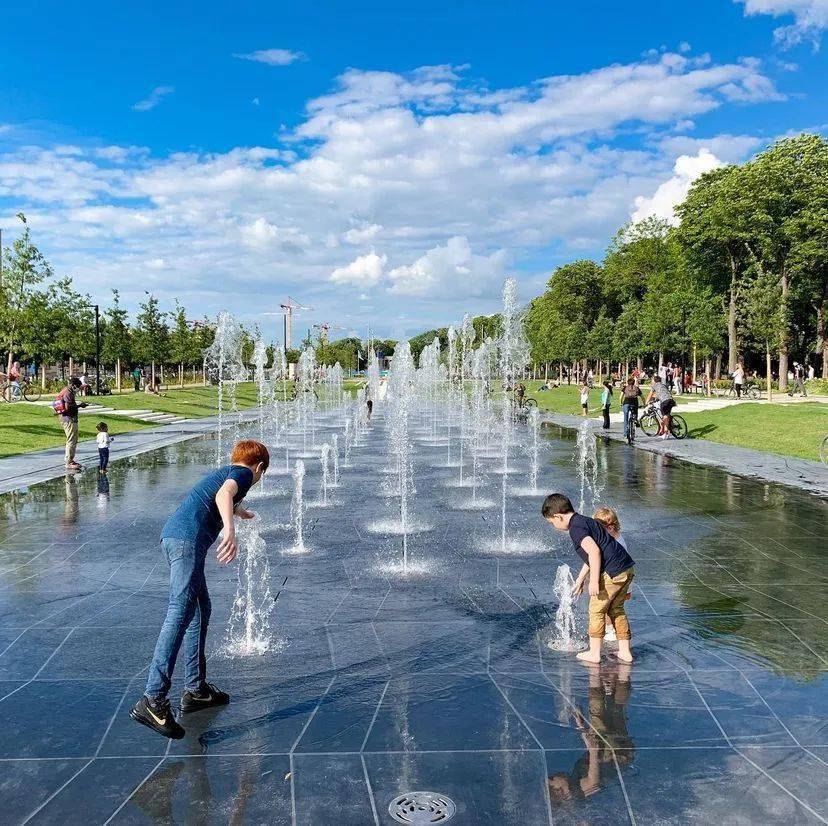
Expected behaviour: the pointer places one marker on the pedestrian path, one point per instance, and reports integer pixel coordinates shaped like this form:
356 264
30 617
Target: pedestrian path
143 415
26 469
811 477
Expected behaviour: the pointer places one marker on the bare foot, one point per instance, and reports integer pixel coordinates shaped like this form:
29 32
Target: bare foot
624 658
589 657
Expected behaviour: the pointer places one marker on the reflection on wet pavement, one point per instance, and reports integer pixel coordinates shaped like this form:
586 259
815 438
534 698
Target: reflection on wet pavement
378 684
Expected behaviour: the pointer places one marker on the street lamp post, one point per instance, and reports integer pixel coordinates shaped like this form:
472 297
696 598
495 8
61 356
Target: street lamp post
97 350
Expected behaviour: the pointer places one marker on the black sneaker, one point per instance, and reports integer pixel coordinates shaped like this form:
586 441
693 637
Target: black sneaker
206 697
157 715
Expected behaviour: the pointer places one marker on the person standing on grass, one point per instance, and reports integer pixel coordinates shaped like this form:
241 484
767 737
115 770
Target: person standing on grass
584 397
207 510
739 379
606 403
136 379
66 406
798 380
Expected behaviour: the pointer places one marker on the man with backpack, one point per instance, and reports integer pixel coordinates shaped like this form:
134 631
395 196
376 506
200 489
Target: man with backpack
66 408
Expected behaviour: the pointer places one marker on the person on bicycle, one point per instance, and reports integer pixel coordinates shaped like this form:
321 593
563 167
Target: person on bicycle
660 391
14 379
629 402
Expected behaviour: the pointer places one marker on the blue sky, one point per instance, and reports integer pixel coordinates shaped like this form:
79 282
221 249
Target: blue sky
384 162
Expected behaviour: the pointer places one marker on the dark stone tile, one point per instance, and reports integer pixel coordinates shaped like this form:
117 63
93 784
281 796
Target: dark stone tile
434 646
488 788
58 718
24 657
434 711
98 791
27 784
704 786
101 652
331 789
209 790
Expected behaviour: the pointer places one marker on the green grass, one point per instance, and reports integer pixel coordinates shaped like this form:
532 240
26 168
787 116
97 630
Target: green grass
28 427
790 430
193 402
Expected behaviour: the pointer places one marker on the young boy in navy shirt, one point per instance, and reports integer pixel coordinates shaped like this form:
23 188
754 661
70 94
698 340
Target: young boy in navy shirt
610 571
208 510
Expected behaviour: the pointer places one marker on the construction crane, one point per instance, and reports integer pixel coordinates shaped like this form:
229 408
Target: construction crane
289 308
323 330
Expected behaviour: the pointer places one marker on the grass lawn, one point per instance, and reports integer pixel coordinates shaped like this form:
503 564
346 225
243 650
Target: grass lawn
28 427
193 402
791 430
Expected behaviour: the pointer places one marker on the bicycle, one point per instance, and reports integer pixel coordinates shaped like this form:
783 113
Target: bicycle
650 422
25 390
632 424
749 391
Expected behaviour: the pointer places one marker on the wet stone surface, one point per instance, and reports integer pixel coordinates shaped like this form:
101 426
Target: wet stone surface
377 683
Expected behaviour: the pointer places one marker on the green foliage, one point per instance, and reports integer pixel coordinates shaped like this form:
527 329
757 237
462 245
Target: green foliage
151 337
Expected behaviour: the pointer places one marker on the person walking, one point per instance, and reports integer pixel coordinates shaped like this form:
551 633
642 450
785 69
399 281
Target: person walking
606 403
136 378
798 380
66 407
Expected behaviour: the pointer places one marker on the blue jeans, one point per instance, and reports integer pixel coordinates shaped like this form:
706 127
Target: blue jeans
188 614
628 410
103 458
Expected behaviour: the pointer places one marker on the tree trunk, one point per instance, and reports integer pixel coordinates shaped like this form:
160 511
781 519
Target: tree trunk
717 370
693 378
768 372
822 339
152 373
660 359
732 348
181 375
118 375
639 363
783 334
42 376
71 367
204 372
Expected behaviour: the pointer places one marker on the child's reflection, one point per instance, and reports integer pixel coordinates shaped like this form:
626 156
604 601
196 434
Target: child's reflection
604 734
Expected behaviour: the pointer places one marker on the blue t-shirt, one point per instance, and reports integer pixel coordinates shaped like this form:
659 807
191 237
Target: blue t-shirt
614 557
197 518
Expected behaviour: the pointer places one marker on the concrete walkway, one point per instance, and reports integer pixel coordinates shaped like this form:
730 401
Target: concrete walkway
811 477
28 469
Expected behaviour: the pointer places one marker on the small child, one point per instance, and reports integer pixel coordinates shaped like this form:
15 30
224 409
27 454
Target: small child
207 510
610 571
584 397
103 439
609 519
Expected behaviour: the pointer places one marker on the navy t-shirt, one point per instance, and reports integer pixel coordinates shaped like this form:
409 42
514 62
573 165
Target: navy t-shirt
614 557
197 518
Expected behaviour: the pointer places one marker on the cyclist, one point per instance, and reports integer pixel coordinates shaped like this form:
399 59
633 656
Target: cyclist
629 404
660 391
14 380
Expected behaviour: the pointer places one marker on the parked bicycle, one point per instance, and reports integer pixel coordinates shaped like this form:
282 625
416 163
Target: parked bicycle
25 390
651 417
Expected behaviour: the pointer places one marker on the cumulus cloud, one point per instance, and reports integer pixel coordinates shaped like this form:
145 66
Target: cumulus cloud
153 98
432 171
365 271
673 191
810 19
273 57
450 270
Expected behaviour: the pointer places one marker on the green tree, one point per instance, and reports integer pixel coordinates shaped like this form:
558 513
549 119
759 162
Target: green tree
150 338
115 333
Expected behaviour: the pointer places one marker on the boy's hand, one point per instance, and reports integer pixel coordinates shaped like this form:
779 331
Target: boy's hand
227 548
578 588
594 588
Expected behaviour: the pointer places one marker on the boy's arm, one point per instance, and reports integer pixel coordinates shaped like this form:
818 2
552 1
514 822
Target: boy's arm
594 554
579 582
227 548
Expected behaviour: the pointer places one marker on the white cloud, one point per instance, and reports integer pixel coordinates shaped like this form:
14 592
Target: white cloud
365 271
810 18
673 191
425 167
361 235
450 271
153 98
273 57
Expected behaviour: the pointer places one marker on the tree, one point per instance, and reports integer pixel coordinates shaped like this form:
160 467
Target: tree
763 317
150 338
26 267
115 333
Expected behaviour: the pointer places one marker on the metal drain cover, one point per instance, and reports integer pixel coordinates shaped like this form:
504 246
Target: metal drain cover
420 808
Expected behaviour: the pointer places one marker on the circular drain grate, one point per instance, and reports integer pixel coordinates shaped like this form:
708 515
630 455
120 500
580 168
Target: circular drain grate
421 808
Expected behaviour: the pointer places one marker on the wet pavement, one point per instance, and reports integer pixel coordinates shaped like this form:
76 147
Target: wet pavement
377 684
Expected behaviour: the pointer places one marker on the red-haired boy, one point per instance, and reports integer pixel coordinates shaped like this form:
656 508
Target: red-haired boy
188 534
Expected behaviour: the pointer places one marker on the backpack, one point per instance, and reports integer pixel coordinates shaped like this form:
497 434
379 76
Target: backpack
59 404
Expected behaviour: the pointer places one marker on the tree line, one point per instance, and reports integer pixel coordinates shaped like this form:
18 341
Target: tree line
742 275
